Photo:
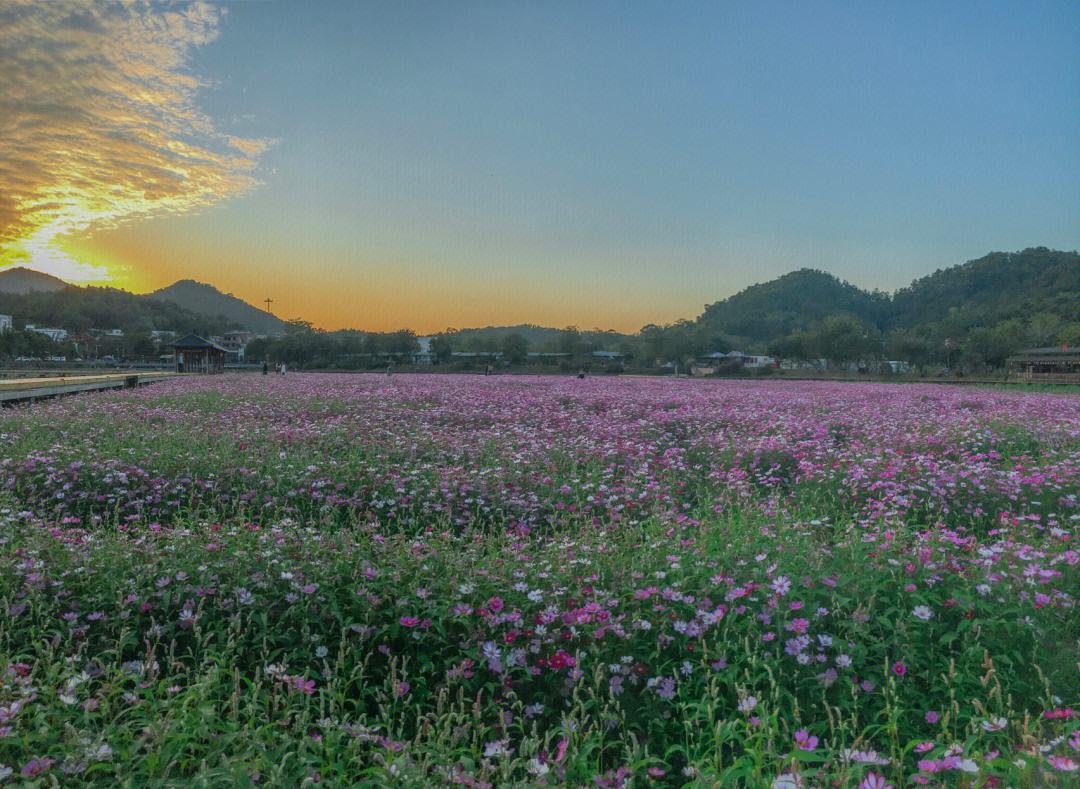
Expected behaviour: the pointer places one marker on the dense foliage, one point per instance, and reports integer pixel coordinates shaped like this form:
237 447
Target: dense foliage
80 309
432 580
972 316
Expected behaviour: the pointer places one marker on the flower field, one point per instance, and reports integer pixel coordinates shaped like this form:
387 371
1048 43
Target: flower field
439 580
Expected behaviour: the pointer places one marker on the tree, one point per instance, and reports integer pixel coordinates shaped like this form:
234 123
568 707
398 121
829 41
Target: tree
799 345
401 343
908 346
1070 335
1043 328
441 348
258 349
844 338
569 341
299 326
142 345
515 348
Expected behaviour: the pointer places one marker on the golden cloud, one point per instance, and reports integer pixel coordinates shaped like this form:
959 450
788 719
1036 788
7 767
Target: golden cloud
99 124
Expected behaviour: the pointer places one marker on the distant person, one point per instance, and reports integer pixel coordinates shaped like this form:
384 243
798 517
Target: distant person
389 366
487 370
265 368
284 369
581 373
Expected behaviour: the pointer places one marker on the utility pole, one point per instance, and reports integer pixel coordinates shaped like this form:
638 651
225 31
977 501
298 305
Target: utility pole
269 301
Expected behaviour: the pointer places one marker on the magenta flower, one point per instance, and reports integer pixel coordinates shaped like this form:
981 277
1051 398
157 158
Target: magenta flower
805 740
409 621
37 767
875 781
899 669
1063 763
305 686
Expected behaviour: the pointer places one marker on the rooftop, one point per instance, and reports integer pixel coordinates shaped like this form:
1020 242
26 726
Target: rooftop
195 341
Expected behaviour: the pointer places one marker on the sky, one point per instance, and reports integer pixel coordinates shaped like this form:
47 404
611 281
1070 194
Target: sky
381 165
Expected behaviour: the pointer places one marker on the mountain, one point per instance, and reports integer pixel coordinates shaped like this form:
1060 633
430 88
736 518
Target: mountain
23 280
80 309
207 300
789 303
993 288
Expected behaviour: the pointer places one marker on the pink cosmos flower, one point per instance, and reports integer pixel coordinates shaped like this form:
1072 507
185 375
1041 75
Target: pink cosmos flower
1063 763
899 669
875 781
1059 713
805 740
37 767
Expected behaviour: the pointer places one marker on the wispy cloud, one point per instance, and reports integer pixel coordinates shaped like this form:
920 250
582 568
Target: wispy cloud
99 124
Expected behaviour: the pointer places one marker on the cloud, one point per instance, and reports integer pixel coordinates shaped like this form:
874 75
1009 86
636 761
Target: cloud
99 123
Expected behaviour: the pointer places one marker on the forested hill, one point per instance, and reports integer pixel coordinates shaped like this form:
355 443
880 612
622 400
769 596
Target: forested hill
997 287
975 314
208 300
791 302
82 309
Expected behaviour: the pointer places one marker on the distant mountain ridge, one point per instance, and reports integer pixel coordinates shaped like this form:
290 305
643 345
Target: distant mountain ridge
997 287
58 302
789 303
207 300
21 280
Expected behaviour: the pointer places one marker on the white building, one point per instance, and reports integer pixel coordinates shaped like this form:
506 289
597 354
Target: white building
424 355
56 335
758 362
5 323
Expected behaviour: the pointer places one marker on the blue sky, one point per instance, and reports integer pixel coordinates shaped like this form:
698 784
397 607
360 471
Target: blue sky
616 164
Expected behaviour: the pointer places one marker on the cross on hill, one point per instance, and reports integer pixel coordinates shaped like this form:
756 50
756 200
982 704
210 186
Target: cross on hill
269 301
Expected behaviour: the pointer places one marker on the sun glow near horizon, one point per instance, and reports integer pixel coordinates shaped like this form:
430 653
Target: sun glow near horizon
103 128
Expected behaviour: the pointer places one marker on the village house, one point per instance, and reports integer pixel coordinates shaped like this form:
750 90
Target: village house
235 345
5 323
56 335
732 361
1052 365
